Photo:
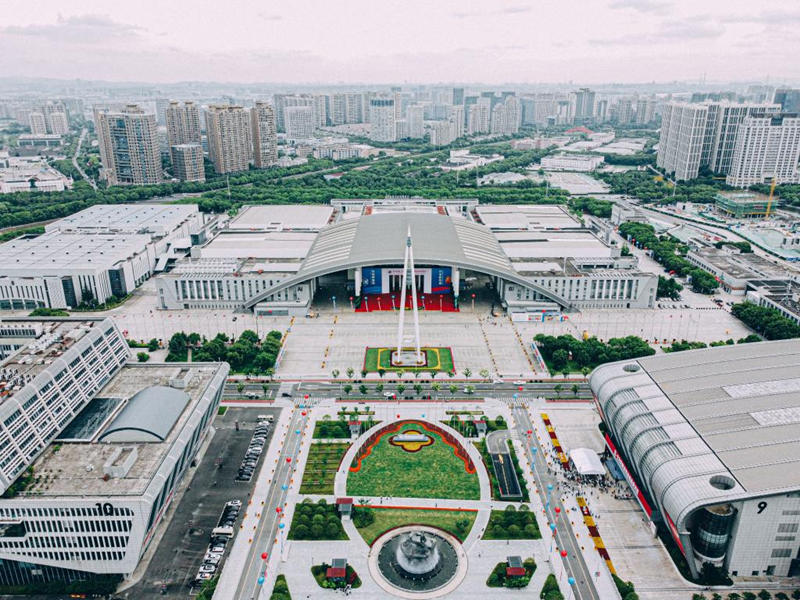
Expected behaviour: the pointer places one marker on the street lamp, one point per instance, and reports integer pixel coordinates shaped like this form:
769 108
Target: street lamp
352 307
392 301
473 302
333 298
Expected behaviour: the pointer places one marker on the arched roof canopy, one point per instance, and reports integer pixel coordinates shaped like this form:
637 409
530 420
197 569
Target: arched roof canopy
148 416
375 240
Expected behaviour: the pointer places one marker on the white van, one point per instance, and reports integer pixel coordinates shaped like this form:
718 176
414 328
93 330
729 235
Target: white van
267 418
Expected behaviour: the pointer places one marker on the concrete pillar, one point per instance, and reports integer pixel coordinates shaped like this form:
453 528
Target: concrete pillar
454 278
358 281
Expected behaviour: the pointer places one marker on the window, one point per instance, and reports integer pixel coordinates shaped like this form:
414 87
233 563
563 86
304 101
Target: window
781 553
788 527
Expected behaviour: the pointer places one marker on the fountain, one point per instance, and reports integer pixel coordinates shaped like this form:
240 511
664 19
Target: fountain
417 559
418 556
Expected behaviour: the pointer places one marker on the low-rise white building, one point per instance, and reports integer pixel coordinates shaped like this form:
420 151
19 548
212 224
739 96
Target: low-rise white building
30 174
571 162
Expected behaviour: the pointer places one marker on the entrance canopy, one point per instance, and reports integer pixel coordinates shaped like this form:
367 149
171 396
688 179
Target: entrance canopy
586 462
380 239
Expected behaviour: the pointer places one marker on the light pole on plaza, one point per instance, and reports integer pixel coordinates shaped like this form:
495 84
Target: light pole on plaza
473 302
333 299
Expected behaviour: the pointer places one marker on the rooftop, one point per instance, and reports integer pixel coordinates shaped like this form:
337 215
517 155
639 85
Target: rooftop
53 339
158 219
525 216
744 402
286 245
742 265
135 428
279 217
54 253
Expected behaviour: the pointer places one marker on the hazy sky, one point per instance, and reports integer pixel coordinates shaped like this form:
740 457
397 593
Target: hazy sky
406 41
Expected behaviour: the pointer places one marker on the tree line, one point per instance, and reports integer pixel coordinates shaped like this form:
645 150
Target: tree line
248 354
568 352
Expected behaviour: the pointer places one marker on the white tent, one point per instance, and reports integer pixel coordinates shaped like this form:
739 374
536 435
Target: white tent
586 461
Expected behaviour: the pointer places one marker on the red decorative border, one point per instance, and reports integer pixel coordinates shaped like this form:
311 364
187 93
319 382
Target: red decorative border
447 438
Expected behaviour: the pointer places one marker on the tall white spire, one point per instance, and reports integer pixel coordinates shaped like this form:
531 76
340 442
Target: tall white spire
408 271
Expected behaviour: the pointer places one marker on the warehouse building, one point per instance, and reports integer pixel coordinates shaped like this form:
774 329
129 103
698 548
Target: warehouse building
103 251
93 448
707 439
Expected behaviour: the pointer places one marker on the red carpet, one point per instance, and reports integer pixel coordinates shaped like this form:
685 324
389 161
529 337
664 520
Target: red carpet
443 302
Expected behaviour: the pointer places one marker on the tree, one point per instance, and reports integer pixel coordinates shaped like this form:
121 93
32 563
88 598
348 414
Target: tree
152 345
379 388
381 372
417 389
565 372
350 372
400 388
574 389
435 387
453 389
347 389
265 389
363 373
363 389
239 388
142 356
559 359
557 389
585 371
467 373
469 390
484 373
335 374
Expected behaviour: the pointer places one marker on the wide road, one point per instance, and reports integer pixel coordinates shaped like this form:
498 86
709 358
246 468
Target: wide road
75 160
584 588
267 529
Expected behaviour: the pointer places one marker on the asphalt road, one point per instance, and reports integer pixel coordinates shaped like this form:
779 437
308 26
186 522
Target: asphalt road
181 548
267 530
584 588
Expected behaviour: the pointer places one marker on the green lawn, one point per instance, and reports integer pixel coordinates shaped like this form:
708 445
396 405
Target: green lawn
439 359
389 518
433 471
321 466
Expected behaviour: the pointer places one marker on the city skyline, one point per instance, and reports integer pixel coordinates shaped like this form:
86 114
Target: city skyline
623 41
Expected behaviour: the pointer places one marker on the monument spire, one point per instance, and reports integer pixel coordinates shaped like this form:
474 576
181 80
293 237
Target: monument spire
402 357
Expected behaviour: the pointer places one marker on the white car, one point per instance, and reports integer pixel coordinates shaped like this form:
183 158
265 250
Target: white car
519 382
389 394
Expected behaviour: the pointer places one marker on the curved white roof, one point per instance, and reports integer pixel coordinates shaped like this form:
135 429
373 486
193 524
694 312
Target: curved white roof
148 416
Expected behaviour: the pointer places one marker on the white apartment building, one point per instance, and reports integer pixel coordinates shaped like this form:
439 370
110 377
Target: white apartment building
414 121
37 123
702 135
767 148
109 442
382 120
183 123
230 145
300 122
187 162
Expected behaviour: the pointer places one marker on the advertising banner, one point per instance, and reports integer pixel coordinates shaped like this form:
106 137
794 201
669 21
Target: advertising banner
371 280
441 280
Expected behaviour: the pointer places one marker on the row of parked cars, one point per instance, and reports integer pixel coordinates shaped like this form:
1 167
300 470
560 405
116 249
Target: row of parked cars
254 450
220 536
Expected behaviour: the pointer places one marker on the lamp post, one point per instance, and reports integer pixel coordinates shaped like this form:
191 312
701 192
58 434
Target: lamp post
333 299
423 301
473 302
352 307
393 302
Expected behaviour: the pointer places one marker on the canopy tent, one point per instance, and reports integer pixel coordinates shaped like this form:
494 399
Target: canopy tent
586 461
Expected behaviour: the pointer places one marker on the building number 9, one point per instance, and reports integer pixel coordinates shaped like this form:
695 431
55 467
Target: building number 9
761 507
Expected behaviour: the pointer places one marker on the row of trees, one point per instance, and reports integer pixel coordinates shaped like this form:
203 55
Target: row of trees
684 345
567 351
666 251
593 206
248 354
767 321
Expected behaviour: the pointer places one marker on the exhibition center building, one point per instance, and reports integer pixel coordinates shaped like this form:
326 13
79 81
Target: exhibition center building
528 259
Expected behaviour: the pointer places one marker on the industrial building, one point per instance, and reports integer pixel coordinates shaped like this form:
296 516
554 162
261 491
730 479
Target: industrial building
707 440
571 162
103 251
93 448
275 259
734 269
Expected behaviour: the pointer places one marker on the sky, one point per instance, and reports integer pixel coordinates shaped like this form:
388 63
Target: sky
403 42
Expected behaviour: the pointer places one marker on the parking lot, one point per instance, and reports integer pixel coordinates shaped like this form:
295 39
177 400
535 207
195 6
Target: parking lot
180 550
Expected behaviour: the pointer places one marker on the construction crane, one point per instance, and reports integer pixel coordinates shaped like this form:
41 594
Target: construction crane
771 195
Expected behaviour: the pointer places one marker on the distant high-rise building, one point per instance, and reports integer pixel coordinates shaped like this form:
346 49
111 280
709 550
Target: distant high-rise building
183 123
789 99
382 120
479 118
129 150
456 117
458 96
55 115
767 147
442 132
265 137
601 112
320 110
300 122
37 123
624 111
645 111
354 108
414 118
338 109
230 146
584 105
161 110
506 116
187 162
